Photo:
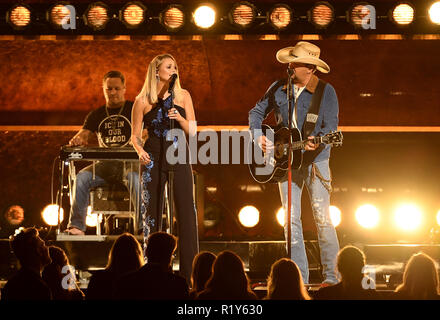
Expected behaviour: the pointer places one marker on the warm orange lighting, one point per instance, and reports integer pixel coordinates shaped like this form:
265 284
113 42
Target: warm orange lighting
434 12
335 216
408 216
97 16
242 14
249 216
367 216
50 214
172 18
360 15
281 16
281 216
133 14
204 16
19 17
403 14
59 15
322 14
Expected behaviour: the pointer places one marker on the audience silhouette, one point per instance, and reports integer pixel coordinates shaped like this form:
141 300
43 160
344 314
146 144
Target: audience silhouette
228 280
155 280
43 271
60 277
201 272
125 256
420 279
350 264
33 255
285 282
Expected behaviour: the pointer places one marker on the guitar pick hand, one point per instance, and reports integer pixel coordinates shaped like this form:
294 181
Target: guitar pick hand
265 144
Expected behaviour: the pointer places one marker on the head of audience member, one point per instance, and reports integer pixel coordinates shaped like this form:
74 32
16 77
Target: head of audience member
420 278
114 89
351 261
228 274
201 270
160 248
58 257
30 249
125 255
54 273
285 282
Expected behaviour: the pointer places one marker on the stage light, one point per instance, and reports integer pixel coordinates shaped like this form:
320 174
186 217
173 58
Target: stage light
249 216
14 215
59 15
321 15
281 16
96 16
92 218
172 18
438 217
367 216
360 15
242 14
132 14
403 14
19 16
281 216
335 215
408 217
434 12
50 214
204 16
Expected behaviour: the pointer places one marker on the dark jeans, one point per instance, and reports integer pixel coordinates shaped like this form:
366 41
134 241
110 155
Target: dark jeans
154 176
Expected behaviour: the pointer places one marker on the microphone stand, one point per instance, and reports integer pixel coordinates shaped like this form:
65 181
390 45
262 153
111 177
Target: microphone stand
289 168
171 166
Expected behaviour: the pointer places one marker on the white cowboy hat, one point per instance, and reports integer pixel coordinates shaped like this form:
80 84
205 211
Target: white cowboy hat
304 52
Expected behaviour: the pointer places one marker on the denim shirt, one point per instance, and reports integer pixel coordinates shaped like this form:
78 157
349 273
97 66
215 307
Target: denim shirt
327 118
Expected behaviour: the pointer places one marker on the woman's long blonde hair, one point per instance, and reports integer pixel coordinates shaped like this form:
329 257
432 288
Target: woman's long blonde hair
149 89
420 278
285 282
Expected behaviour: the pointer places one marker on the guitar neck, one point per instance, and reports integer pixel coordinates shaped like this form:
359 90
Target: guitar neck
301 144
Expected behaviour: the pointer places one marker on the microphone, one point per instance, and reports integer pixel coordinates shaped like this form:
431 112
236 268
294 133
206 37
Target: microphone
172 82
290 71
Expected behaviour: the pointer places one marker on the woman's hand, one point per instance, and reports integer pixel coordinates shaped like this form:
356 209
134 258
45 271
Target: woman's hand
144 157
175 115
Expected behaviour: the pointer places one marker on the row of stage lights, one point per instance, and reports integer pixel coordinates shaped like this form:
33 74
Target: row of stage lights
407 217
242 15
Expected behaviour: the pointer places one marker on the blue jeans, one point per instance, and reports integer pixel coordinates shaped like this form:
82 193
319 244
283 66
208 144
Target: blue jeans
105 173
317 179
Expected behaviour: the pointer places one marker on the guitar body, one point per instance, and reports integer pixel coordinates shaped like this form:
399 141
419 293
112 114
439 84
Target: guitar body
275 165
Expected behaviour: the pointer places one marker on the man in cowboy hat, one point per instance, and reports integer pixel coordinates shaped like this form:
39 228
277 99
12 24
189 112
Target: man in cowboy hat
303 61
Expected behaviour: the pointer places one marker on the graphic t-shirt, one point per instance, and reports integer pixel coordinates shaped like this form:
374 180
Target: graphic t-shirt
112 125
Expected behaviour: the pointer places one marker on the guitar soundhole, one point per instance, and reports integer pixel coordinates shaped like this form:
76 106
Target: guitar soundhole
279 150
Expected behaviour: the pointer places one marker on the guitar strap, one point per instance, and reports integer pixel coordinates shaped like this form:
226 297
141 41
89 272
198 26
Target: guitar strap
271 95
313 112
